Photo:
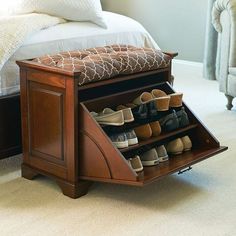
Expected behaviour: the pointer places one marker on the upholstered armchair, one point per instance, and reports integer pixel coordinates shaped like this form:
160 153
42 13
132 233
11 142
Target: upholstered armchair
224 21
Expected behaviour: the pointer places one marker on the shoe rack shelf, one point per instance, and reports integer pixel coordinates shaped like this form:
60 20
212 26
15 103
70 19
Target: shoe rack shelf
95 140
63 141
160 139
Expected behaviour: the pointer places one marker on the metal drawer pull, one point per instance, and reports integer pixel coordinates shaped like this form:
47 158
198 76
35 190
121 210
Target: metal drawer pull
185 170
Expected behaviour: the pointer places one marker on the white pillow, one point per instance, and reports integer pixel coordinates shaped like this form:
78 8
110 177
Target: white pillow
75 10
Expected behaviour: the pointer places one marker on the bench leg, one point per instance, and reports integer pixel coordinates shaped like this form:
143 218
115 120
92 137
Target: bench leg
230 100
28 173
76 190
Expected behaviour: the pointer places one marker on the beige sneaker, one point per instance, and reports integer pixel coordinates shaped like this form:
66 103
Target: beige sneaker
136 163
175 147
127 112
115 118
187 143
150 158
162 153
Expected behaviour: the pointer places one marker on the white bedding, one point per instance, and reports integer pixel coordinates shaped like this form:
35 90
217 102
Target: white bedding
71 36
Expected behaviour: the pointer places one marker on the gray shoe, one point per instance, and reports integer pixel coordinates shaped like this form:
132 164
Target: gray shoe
162 153
136 163
170 122
132 138
120 140
150 158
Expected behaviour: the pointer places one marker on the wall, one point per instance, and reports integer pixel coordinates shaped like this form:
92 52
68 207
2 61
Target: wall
175 25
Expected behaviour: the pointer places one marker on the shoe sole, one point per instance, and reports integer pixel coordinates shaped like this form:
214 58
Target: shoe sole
129 120
150 163
113 124
121 145
176 153
164 158
187 149
138 170
132 141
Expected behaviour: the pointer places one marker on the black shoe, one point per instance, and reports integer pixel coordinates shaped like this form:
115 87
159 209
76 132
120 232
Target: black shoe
152 111
169 122
140 112
182 117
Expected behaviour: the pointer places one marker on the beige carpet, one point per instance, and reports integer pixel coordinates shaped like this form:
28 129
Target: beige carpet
200 202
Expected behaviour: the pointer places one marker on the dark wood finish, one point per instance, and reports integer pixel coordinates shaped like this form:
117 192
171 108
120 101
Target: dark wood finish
10 126
175 164
63 141
97 148
28 173
73 190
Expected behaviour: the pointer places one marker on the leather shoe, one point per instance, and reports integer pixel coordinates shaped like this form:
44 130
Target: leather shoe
143 131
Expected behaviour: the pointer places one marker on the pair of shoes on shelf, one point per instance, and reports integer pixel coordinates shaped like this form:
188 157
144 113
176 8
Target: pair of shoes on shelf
135 163
154 156
178 118
148 130
175 98
150 158
160 100
179 145
114 118
124 140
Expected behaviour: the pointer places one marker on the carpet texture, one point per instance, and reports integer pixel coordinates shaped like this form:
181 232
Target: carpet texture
199 202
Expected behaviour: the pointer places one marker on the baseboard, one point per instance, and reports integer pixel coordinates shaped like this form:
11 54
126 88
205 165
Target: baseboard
188 63
188 67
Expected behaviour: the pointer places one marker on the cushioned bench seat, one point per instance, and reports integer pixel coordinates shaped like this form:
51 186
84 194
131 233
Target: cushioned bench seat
102 63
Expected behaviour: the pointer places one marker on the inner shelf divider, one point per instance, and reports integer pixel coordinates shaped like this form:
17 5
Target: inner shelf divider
161 137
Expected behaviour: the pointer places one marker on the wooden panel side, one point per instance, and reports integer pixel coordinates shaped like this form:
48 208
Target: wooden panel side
46 105
47 78
102 152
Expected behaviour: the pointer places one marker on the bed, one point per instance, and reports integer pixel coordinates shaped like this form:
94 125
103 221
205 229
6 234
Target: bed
61 37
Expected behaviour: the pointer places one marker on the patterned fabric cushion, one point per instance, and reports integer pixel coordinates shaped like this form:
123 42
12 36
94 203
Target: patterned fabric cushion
101 63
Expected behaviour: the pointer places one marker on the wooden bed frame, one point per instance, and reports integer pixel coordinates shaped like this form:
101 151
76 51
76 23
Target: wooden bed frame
10 126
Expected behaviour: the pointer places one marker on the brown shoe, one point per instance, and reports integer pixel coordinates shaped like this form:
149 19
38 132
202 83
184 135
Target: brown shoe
162 99
187 143
143 132
157 93
156 128
162 103
175 147
143 98
176 99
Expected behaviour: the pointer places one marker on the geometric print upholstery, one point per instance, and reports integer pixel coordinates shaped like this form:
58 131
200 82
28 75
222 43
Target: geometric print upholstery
101 63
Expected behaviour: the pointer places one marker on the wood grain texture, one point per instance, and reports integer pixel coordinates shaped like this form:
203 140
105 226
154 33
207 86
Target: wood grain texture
63 141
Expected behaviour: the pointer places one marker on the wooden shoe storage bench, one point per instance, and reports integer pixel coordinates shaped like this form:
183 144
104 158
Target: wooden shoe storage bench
63 141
